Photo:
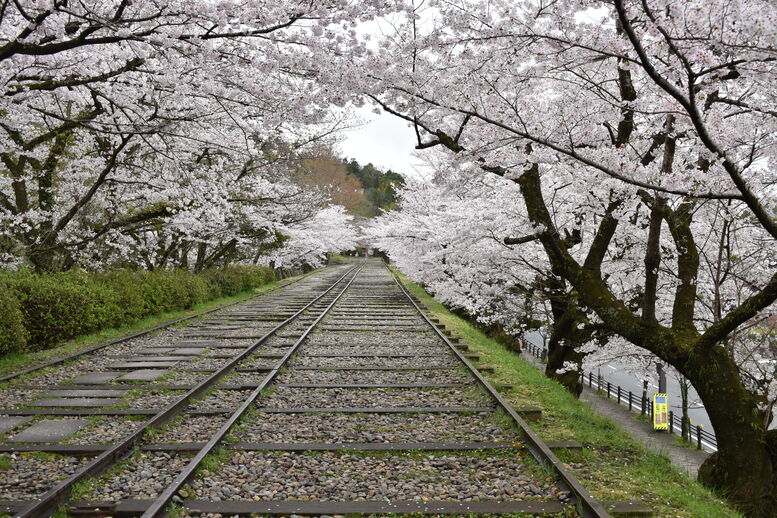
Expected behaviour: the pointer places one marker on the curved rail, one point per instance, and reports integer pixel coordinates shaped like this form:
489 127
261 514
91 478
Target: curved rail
587 505
59 494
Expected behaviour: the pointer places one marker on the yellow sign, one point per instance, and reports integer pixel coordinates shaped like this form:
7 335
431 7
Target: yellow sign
660 412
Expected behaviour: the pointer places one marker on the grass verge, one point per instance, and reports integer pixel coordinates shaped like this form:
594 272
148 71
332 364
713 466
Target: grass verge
12 362
612 466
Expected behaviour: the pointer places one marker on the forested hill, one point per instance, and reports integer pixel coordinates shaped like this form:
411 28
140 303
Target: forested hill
379 187
364 190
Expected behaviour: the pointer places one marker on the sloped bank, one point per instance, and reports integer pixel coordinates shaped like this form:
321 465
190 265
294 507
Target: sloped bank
612 465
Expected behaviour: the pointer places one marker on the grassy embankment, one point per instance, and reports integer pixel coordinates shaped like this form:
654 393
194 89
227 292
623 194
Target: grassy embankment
612 466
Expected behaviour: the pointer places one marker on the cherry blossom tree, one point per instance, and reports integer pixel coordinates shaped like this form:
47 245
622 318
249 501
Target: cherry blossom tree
119 117
640 135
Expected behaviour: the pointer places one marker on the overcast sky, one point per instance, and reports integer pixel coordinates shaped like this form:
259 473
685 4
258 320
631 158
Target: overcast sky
385 140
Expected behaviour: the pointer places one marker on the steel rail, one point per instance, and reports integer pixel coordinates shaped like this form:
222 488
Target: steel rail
59 494
587 505
102 345
157 508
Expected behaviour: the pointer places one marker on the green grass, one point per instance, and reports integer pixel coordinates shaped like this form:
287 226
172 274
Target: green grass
613 466
15 361
5 463
212 461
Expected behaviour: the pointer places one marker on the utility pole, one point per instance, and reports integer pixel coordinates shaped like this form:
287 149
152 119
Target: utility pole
661 378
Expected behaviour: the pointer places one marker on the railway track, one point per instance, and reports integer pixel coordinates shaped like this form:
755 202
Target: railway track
118 395
347 400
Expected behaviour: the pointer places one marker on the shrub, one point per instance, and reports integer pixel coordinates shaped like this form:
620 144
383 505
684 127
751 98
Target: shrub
13 334
56 308
44 310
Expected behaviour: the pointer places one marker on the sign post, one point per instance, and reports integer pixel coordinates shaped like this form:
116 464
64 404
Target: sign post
660 412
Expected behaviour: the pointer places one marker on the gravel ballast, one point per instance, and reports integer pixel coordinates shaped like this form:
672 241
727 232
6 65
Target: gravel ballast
190 429
285 397
344 477
331 428
452 375
29 476
105 431
344 362
367 338
145 476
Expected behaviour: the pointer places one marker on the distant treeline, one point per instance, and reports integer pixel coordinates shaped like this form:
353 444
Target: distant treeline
379 187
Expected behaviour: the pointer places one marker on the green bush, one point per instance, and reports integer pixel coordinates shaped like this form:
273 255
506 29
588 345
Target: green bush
44 310
13 334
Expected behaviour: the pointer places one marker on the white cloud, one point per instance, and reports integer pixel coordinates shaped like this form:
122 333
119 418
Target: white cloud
383 140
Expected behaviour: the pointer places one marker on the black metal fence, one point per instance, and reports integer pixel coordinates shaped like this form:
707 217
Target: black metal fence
695 434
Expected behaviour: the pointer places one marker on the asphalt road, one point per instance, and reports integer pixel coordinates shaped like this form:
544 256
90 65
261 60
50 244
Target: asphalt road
617 375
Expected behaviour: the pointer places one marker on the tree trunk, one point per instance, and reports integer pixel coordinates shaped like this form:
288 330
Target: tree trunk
563 347
744 468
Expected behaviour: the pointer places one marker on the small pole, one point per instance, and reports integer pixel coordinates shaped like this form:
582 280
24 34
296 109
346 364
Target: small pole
644 405
544 354
698 436
630 401
671 422
619 394
590 379
608 390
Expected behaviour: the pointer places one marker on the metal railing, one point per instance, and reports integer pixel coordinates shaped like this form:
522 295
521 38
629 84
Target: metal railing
695 434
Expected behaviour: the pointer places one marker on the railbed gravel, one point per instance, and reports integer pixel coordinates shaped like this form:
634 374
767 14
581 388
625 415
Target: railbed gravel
346 350
260 363
221 399
104 431
190 429
29 476
151 399
206 364
145 476
356 361
11 398
329 476
286 397
397 338
183 378
349 428
59 374
244 378
344 376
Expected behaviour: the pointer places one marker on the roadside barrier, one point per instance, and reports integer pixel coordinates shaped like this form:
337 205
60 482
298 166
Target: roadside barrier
695 434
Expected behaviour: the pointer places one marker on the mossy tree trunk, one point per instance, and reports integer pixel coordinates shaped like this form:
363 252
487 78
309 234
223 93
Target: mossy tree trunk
745 467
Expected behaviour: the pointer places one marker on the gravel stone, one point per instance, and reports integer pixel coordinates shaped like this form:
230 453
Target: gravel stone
183 378
241 378
190 429
331 476
452 375
206 364
30 476
12 398
366 338
145 476
104 431
349 428
152 399
346 350
356 361
222 399
285 397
